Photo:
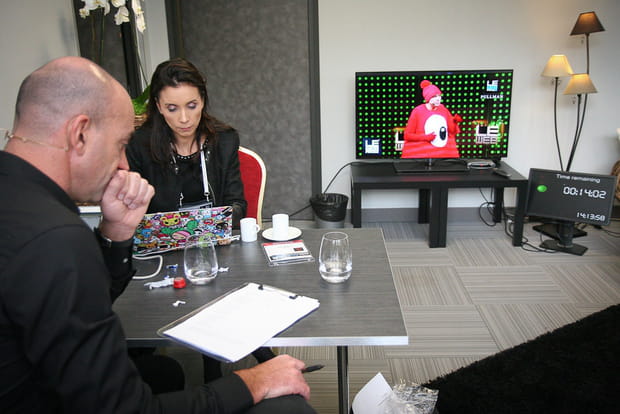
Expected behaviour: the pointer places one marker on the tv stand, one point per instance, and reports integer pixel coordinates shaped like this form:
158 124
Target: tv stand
410 166
433 192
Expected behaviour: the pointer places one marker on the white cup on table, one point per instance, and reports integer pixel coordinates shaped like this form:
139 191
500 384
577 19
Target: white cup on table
249 229
280 226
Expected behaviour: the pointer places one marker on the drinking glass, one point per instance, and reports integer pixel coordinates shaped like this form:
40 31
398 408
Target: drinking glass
200 260
335 259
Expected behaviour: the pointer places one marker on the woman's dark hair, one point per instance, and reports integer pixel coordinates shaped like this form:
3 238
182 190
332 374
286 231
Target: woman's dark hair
175 72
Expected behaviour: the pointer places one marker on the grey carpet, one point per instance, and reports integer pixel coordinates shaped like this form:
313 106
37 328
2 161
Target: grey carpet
476 297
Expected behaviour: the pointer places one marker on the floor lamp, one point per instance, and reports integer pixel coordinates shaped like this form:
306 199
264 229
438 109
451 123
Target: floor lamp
564 231
580 84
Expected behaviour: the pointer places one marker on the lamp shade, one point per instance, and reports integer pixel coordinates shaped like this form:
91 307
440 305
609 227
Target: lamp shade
587 23
557 66
580 83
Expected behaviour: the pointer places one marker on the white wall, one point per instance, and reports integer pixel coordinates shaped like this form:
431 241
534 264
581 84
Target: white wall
391 35
32 32
155 35
369 35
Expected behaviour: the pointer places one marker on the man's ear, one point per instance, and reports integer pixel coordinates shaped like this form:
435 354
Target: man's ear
77 129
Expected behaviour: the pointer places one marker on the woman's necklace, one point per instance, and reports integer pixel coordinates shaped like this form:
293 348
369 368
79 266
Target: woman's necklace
177 157
186 157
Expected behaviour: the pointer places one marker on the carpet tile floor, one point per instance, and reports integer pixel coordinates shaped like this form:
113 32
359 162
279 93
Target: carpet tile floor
475 297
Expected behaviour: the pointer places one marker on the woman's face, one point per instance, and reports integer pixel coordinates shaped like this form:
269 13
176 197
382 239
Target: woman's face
181 107
435 100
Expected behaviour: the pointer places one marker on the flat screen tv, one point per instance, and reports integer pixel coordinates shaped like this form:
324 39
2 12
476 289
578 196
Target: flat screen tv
479 99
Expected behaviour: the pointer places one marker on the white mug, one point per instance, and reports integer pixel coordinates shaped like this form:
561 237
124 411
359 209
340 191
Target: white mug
280 226
249 229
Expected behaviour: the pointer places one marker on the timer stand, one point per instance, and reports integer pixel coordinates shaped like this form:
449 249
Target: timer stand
551 229
563 239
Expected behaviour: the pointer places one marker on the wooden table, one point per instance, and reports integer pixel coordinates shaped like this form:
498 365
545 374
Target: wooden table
362 311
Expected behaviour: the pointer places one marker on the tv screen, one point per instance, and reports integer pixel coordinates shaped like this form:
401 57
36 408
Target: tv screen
478 114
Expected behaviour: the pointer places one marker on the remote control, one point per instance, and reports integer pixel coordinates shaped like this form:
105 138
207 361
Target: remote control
501 172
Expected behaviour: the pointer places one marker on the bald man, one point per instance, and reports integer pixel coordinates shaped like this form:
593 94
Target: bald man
62 348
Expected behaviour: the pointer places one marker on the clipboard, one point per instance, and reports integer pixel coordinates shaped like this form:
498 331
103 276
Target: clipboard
240 321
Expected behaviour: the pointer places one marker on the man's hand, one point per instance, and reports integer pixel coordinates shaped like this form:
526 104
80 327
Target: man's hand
123 204
274 378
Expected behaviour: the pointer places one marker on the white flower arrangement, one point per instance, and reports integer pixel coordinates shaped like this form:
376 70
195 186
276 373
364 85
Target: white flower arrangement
122 12
121 16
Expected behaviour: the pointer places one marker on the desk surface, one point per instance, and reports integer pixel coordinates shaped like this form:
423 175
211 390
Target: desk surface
383 175
362 311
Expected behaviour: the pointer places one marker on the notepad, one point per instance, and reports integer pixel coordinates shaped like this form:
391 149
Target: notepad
235 324
287 252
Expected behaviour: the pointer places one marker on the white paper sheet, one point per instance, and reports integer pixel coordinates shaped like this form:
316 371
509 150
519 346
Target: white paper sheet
241 321
368 400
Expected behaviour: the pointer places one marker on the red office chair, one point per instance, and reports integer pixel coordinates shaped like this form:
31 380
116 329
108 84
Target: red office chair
254 177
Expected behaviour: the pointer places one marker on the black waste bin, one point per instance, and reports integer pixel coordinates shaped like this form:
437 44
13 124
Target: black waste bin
329 209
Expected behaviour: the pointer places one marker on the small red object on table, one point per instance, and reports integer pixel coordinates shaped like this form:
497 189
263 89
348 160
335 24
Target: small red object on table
179 283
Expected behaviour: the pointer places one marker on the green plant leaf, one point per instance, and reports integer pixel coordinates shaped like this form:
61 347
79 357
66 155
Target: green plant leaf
140 102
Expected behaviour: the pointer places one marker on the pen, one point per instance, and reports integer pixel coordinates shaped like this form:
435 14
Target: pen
312 368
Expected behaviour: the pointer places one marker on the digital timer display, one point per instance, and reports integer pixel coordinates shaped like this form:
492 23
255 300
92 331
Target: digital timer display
584 192
577 197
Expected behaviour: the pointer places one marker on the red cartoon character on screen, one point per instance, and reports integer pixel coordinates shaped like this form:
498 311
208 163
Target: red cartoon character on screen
431 129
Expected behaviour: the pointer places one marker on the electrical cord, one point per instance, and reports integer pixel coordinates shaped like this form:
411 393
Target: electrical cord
508 221
614 234
328 185
299 211
159 266
490 206
334 177
525 242
338 172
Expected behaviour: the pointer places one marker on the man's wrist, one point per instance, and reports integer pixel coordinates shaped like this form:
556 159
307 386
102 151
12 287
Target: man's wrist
254 385
107 242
